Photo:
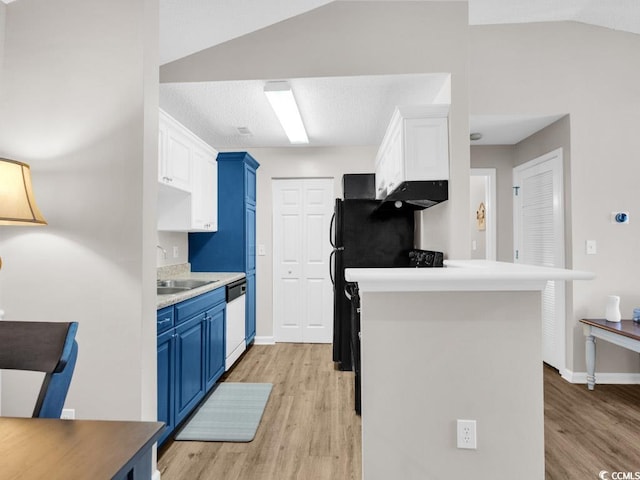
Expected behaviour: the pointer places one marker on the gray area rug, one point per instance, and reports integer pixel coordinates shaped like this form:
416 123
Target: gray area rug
232 413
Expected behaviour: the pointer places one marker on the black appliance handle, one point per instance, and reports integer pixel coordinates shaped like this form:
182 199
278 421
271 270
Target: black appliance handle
332 267
331 226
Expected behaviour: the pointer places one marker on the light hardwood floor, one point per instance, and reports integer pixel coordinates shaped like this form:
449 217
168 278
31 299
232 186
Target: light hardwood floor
309 430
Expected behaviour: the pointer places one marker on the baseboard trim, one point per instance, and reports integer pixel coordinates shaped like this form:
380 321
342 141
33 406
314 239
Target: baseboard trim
603 377
271 340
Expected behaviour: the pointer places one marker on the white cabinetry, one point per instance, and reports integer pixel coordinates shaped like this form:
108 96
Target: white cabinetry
205 191
188 176
174 165
415 147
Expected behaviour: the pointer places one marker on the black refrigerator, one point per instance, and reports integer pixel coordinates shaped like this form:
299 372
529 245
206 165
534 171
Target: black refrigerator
363 236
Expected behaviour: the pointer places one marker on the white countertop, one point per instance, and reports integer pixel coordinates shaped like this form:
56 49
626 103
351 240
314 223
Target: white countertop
461 275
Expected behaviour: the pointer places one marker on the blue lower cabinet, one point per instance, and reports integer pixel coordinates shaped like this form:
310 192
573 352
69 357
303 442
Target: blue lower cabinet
215 354
189 365
250 315
191 353
166 375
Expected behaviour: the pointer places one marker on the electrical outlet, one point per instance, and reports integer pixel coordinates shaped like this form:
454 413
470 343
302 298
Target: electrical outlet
68 414
466 430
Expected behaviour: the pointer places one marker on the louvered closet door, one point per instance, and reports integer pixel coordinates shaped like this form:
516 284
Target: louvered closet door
539 240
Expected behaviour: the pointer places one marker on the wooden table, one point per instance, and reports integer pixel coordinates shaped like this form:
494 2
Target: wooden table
625 333
37 448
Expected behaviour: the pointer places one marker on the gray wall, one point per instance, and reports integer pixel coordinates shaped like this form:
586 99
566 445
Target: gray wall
79 103
354 38
569 68
449 356
500 158
362 38
3 14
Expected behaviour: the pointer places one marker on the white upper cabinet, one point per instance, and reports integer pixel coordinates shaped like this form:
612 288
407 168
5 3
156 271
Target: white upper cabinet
205 192
188 176
415 147
174 165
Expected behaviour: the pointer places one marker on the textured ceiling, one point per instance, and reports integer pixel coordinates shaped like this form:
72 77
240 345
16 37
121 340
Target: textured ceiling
337 111
507 129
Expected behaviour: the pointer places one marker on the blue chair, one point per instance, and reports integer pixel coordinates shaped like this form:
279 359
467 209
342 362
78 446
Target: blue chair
48 347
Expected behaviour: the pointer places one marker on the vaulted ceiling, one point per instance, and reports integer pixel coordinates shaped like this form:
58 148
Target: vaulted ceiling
215 110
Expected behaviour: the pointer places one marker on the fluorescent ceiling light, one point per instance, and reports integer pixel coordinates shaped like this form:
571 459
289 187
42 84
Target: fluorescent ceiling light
281 99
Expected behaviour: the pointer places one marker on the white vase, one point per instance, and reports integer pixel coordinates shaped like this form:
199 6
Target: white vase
612 313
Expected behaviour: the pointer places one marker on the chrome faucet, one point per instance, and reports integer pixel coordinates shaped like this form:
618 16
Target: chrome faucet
164 252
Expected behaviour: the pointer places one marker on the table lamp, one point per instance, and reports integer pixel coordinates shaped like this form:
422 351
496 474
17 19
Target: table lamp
17 202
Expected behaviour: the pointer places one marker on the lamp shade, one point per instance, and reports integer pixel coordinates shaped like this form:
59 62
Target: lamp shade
17 203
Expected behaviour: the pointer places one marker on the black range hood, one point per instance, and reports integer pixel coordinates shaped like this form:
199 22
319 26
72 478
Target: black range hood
417 194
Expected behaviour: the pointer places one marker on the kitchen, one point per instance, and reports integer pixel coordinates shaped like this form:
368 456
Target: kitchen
103 267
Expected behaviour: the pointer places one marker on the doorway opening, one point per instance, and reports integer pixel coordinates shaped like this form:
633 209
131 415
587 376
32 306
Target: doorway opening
483 213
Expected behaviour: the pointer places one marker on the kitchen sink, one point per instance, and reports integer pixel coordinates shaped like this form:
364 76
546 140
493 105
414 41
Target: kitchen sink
166 287
170 290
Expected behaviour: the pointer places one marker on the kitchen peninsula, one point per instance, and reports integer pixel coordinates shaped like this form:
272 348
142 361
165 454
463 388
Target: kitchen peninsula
441 344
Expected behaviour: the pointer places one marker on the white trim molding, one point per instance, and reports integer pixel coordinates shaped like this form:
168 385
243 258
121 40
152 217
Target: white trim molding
156 475
603 377
265 340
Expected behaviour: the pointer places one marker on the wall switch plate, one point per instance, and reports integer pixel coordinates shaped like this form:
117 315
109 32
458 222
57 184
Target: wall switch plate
590 247
176 252
262 251
466 434
68 414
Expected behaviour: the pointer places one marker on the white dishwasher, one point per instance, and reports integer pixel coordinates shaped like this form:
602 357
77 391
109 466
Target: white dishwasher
235 331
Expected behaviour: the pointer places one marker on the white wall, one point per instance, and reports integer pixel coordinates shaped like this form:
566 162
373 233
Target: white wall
169 240
79 103
591 74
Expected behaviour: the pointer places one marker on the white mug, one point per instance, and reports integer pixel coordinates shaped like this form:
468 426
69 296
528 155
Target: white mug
612 313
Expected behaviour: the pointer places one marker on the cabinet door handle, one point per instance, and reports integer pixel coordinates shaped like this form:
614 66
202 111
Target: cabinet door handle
164 321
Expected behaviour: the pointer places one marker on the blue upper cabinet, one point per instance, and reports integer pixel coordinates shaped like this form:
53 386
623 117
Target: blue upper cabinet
233 247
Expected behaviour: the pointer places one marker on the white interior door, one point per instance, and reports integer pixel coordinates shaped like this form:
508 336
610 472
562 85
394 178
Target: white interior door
539 240
302 301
